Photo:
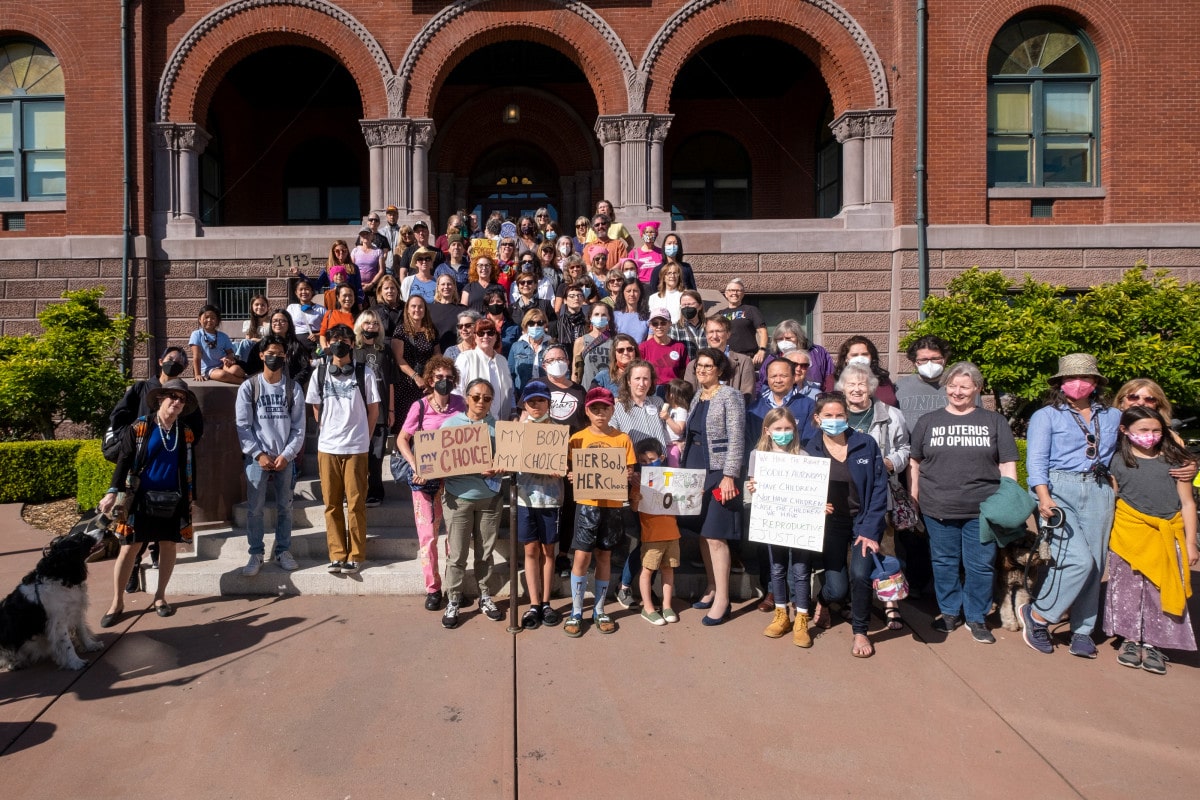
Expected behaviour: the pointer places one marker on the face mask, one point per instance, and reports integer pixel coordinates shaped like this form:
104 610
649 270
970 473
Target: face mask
1146 441
370 335
630 274
442 386
785 346
496 308
557 369
551 236
564 249
587 291
172 368
655 463
526 230
542 418
536 332
649 238
671 250
339 349
929 370
834 426
600 322
689 313
863 360
274 363
1078 388
782 438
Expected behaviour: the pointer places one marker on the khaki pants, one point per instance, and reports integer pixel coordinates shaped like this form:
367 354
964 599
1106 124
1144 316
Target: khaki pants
344 476
469 523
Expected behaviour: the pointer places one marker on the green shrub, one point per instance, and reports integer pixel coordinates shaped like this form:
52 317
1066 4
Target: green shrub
94 473
1022 473
33 472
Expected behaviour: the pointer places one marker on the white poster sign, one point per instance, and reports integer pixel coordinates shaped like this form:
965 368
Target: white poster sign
671 491
788 505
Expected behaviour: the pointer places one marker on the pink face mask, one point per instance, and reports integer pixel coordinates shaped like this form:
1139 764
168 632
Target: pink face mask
1078 388
1146 441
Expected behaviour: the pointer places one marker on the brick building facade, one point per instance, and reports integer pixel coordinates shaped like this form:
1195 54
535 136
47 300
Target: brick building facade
777 137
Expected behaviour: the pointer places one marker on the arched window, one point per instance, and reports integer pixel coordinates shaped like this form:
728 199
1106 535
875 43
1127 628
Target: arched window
710 178
33 162
1043 106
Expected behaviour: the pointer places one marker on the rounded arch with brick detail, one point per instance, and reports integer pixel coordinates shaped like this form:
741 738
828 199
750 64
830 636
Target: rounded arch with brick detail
237 29
821 29
591 45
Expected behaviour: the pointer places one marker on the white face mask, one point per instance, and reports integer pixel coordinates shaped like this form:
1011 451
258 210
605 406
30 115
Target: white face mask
930 370
785 346
557 369
864 360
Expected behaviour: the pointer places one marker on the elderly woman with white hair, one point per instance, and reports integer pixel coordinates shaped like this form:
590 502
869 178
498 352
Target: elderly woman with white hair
958 455
884 424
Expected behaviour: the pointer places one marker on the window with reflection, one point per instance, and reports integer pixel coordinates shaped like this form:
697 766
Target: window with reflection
33 162
710 178
1043 106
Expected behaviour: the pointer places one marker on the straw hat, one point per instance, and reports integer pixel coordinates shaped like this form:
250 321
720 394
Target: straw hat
1077 364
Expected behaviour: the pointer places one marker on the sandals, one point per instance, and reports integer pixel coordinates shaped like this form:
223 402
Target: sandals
894 621
604 623
531 619
858 650
573 627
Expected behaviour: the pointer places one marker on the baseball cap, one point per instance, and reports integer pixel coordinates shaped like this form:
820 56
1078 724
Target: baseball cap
534 390
598 395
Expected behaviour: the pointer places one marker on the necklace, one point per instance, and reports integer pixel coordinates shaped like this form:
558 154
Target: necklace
709 394
165 433
434 406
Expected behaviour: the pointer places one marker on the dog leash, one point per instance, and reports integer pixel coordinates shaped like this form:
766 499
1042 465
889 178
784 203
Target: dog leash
1047 528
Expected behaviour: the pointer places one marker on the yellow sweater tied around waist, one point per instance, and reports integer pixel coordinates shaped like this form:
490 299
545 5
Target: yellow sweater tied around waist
1152 547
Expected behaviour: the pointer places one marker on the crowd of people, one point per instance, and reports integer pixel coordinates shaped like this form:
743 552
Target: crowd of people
606 334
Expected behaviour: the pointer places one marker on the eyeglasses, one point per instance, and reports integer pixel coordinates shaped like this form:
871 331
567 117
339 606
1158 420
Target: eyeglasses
934 360
581 225
554 361
466 326
626 349
599 224
175 398
802 364
372 219
1090 451
1148 399
700 366
658 323
424 258
507 244
480 398
542 216
437 376
486 334
536 322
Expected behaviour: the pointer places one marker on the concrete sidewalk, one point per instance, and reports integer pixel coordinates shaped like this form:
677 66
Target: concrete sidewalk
368 697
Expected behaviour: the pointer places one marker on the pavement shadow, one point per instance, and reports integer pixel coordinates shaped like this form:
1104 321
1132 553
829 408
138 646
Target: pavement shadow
17 736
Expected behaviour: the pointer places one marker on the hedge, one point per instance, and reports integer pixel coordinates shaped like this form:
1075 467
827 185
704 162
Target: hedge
33 472
95 475
1022 473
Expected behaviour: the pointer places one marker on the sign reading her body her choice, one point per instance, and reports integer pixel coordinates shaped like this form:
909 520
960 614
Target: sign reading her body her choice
460 450
599 473
531 447
788 505
671 491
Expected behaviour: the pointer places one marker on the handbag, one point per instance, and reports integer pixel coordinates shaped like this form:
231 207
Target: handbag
160 504
888 579
402 471
905 515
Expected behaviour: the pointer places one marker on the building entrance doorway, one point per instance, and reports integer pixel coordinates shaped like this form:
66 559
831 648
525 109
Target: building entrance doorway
514 179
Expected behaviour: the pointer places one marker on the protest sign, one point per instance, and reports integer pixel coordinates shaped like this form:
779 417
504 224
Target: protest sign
671 491
598 473
788 506
460 450
531 447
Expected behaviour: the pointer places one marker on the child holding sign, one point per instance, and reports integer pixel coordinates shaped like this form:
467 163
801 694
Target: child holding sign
539 498
598 524
660 544
779 435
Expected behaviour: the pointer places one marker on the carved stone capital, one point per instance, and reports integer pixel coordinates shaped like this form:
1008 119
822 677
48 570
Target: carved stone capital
609 129
384 132
162 134
192 137
635 127
660 126
422 132
864 124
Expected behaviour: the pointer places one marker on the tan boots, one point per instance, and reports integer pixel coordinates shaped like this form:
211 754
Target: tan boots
779 624
800 636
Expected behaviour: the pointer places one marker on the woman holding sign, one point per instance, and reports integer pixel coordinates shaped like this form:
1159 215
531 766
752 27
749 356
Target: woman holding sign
714 441
857 511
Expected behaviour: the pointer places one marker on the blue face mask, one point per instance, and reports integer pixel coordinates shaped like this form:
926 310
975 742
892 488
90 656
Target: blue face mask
655 463
306 307
671 250
834 426
551 236
782 438
536 332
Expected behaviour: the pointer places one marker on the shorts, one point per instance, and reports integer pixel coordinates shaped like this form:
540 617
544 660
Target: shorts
597 528
537 525
658 554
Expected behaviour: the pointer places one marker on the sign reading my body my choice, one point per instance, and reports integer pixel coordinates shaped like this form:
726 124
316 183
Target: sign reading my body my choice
788 505
531 447
460 450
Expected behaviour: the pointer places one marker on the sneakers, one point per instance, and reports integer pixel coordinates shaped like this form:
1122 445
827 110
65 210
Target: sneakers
335 567
653 617
980 633
573 627
349 567
373 502
550 617
779 624
1083 646
488 606
1153 660
433 601
800 635
450 618
287 561
947 623
625 597
253 566
669 614
1130 655
1035 633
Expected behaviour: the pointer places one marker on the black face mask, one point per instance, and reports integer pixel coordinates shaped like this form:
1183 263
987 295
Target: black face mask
496 308
339 349
274 363
171 368
443 386
689 313
370 335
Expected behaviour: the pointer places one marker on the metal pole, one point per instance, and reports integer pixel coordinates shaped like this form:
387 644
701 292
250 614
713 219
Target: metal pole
127 188
514 627
921 218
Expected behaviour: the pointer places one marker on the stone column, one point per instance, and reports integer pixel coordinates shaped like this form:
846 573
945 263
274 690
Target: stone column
659 127
177 149
388 141
866 138
609 131
583 195
422 139
633 162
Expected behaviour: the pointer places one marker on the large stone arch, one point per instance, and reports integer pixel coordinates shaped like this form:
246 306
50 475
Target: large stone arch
227 34
831 38
570 27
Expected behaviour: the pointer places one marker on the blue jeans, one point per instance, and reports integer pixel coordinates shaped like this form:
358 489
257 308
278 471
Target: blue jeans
846 576
256 498
955 547
794 576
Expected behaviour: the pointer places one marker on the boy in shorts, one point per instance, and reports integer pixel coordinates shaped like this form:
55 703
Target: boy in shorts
660 544
598 525
539 498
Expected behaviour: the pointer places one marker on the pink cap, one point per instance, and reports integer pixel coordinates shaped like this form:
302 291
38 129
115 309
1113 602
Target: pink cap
642 226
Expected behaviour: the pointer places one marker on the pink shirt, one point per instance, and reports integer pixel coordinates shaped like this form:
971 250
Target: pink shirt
647 260
433 419
669 360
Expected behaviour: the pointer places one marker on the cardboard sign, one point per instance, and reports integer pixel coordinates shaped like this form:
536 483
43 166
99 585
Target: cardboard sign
671 491
532 447
788 506
482 247
599 473
460 450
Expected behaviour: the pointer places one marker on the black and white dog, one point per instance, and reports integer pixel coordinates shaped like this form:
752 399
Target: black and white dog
46 615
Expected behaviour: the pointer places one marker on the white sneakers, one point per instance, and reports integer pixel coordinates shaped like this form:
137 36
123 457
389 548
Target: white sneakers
253 566
285 560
